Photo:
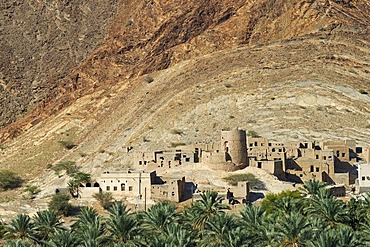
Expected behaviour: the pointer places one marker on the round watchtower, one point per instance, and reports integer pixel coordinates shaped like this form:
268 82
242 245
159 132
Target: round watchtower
234 145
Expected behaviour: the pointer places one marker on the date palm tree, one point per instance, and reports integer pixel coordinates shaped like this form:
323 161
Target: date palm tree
252 216
18 243
324 239
292 230
330 210
121 224
89 228
46 223
239 237
347 237
63 238
201 211
21 227
157 217
312 187
365 230
174 235
218 228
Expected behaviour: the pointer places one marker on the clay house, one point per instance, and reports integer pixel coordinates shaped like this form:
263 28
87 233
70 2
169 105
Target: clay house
328 161
135 184
165 158
363 154
337 190
239 193
170 189
363 181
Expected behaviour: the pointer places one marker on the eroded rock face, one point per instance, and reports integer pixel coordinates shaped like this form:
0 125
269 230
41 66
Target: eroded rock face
41 41
44 42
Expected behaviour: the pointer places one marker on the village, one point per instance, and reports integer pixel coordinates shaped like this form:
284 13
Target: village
342 165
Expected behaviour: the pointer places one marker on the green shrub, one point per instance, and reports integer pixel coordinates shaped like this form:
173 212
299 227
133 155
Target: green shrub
104 198
148 79
252 133
271 200
83 154
176 144
177 132
362 91
32 190
9 180
67 144
60 204
68 166
254 182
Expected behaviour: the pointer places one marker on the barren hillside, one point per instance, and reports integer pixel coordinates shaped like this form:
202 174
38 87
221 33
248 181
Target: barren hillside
140 37
287 69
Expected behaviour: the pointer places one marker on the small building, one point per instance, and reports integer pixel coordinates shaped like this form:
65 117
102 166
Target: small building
171 190
364 178
274 167
135 184
126 183
165 158
337 190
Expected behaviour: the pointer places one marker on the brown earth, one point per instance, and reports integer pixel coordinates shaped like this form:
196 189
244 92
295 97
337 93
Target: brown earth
291 70
143 37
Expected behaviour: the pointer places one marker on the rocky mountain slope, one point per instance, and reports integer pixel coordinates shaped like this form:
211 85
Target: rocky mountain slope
170 73
142 37
40 43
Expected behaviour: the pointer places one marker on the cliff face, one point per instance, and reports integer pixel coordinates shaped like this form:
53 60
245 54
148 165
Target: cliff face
45 41
41 41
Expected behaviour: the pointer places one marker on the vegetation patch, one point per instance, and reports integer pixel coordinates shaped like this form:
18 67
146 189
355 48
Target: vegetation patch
67 144
32 190
104 198
252 133
60 204
68 166
176 144
148 79
177 132
254 182
362 91
9 180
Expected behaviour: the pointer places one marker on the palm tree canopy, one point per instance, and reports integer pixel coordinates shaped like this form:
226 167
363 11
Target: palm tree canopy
18 243
311 187
121 225
209 204
157 217
21 227
46 222
63 238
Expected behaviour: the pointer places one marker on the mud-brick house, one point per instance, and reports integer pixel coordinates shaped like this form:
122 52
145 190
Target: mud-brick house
135 184
164 158
363 181
171 189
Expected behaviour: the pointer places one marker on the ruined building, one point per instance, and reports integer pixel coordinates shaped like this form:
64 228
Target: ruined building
328 161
